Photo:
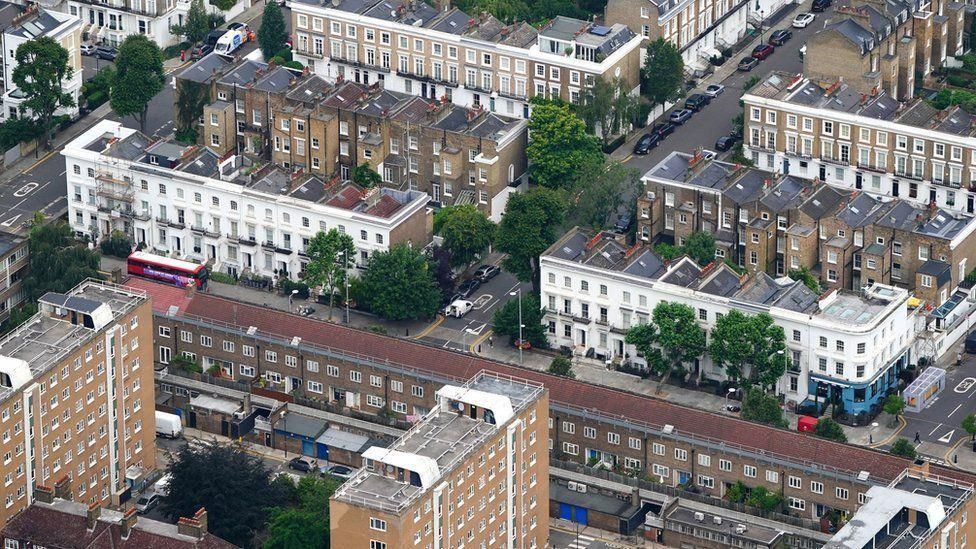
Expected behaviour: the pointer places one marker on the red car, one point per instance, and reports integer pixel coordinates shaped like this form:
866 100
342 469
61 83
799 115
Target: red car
762 51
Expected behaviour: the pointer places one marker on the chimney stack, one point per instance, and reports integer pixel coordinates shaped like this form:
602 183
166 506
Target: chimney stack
62 488
44 494
128 521
94 511
195 527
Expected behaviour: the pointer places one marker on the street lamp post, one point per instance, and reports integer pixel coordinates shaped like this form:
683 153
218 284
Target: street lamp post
520 342
782 353
291 298
728 393
341 256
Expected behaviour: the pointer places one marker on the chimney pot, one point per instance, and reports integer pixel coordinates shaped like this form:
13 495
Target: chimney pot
128 521
44 494
62 488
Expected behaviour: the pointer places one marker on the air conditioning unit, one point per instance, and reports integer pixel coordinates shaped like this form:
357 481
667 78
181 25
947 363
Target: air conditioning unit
717 519
700 517
581 488
572 486
740 529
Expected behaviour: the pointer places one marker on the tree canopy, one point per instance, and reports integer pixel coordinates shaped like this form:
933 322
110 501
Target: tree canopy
505 322
672 339
902 447
609 105
561 366
699 246
763 408
330 256
829 429
663 73
560 146
197 23
400 285
969 425
894 405
273 32
57 262
366 177
530 225
439 262
599 191
804 275
41 70
138 78
233 486
306 524
466 232
749 344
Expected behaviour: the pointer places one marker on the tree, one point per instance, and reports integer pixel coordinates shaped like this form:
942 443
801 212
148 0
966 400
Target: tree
969 425
139 77
804 275
191 98
57 262
762 498
561 366
609 104
466 232
599 191
530 225
505 10
273 33
902 447
829 429
233 486
366 177
663 73
197 23
894 405
40 72
399 284
307 523
330 256
763 408
439 263
749 342
672 339
505 322
559 147
700 246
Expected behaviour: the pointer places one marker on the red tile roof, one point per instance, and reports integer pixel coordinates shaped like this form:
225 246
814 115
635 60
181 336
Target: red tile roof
385 206
565 392
164 295
346 198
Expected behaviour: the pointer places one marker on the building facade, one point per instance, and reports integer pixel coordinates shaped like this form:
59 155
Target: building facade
472 61
188 202
473 471
76 398
840 136
13 268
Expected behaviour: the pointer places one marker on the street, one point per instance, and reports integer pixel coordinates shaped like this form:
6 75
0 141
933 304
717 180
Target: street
562 539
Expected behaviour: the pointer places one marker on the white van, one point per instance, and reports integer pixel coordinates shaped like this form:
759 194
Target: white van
230 41
168 425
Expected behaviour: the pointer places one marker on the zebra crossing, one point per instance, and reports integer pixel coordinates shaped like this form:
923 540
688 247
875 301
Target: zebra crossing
580 542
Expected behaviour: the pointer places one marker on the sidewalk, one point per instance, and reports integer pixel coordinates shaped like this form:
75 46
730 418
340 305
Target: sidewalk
589 534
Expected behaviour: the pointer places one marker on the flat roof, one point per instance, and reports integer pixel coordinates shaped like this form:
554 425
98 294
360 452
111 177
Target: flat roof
723 525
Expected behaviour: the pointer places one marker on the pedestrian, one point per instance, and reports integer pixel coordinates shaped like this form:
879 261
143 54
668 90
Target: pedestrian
918 439
491 342
182 55
958 359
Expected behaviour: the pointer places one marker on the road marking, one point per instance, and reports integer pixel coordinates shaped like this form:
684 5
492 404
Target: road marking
10 222
479 341
934 430
947 437
478 330
627 158
954 410
25 189
482 300
429 329
965 385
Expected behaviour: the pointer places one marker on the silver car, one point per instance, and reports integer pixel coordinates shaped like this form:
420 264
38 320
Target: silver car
147 502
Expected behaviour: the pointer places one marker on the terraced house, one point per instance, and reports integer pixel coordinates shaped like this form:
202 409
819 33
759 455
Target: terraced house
470 60
839 135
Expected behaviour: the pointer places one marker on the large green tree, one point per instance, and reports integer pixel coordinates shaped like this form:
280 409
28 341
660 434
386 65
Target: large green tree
761 407
829 429
609 104
599 192
560 146
700 246
139 77
672 339
273 32
40 73
57 262
969 425
366 177
466 232
330 256
531 224
439 262
903 447
400 285
233 486
755 343
196 25
505 322
663 73
894 405
306 524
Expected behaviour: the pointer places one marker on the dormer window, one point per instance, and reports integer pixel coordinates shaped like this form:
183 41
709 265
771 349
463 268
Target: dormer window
153 160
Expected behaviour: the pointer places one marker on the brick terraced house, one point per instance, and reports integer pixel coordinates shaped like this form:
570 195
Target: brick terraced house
76 404
366 373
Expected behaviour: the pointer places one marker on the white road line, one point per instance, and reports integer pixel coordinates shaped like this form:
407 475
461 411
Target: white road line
954 410
936 429
586 538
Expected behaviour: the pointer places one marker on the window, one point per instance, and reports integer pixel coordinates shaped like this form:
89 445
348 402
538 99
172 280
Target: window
355 377
725 465
772 476
749 471
816 487
569 427
657 448
373 544
796 482
613 438
798 504
842 493
681 454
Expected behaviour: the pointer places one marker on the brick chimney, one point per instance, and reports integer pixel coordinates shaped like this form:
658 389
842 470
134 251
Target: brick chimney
44 494
128 521
62 488
94 511
195 527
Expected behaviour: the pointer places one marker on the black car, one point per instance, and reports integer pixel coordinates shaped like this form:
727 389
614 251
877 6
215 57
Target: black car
300 464
821 5
748 63
780 37
697 102
971 343
201 50
213 36
663 129
647 142
623 223
107 53
468 287
486 272
724 143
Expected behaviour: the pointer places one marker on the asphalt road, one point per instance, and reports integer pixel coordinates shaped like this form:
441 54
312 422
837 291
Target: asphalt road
940 422
560 539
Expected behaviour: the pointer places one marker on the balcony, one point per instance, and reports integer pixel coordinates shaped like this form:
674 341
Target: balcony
308 53
360 64
871 167
833 160
245 240
204 231
268 245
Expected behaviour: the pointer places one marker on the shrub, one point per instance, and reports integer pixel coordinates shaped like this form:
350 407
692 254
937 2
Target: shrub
116 245
288 285
750 82
223 278
285 54
902 447
294 65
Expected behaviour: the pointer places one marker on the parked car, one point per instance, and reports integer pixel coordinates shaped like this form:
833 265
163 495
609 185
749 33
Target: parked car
107 53
821 5
714 90
623 222
663 129
458 308
339 471
971 343
468 287
213 36
748 63
697 101
762 51
647 142
486 272
87 49
200 50
724 143
146 503
300 464
680 116
803 20
780 37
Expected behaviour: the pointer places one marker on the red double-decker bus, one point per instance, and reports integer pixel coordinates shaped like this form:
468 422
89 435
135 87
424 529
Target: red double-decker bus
173 271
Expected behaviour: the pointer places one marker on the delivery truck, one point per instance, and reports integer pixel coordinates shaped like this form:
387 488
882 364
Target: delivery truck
168 425
230 41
